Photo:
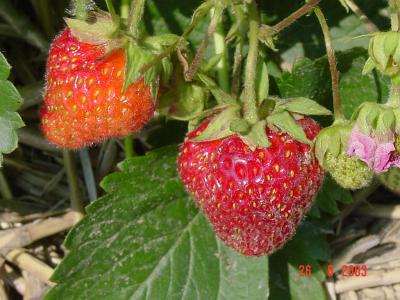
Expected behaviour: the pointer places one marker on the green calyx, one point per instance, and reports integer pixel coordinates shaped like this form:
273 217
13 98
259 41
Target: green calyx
381 119
100 30
278 114
391 180
384 52
348 172
332 140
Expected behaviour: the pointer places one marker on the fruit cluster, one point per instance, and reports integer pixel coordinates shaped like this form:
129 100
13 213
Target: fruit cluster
254 164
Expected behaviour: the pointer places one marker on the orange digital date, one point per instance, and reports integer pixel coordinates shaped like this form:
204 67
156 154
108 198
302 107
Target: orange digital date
354 270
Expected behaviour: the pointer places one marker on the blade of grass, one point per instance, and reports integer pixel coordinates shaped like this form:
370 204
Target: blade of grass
5 190
88 175
75 193
23 26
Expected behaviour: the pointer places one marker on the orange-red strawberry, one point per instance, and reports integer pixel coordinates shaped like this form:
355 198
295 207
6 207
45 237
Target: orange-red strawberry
254 199
84 102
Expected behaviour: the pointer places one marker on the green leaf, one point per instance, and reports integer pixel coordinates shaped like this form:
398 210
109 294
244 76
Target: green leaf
9 119
304 106
219 126
4 67
285 122
138 57
219 95
329 194
145 239
158 42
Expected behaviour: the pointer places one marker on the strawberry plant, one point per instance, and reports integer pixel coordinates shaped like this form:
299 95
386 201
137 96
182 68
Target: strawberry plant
200 149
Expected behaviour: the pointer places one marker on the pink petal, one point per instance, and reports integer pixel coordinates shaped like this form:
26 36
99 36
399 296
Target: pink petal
362 146
383 155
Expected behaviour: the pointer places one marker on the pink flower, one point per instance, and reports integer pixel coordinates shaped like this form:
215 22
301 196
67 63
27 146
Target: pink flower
362 146
377 154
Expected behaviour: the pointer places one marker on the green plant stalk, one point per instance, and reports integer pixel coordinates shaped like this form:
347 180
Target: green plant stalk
5 190
371 27
172 48
394 96
191 72
249 93
46 19
124 9
111 10
88 174
70 170
135 16
330 52
128 146
81 9
220 48
395 16
128 140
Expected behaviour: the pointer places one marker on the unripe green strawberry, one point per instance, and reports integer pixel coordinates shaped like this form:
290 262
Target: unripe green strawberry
84 102
348 172
330 148
391 180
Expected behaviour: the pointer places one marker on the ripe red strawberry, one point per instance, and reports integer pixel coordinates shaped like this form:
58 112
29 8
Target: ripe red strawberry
254 199
83 101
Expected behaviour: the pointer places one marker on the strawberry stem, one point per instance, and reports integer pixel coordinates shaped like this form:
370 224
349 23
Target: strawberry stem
192 71
125 9
249 93
371 27
330 52
81 7
111 10
394 96
395 17
220 48
72 176
128 146
135 16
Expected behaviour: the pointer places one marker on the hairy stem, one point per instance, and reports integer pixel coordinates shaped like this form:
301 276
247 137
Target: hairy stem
249 93
191 72
220 48
128 140
81 9
394 96
171 48
75 194
237 69
395 17
330 52
135 16
360 14
124 9
305 9
111 10
128 146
